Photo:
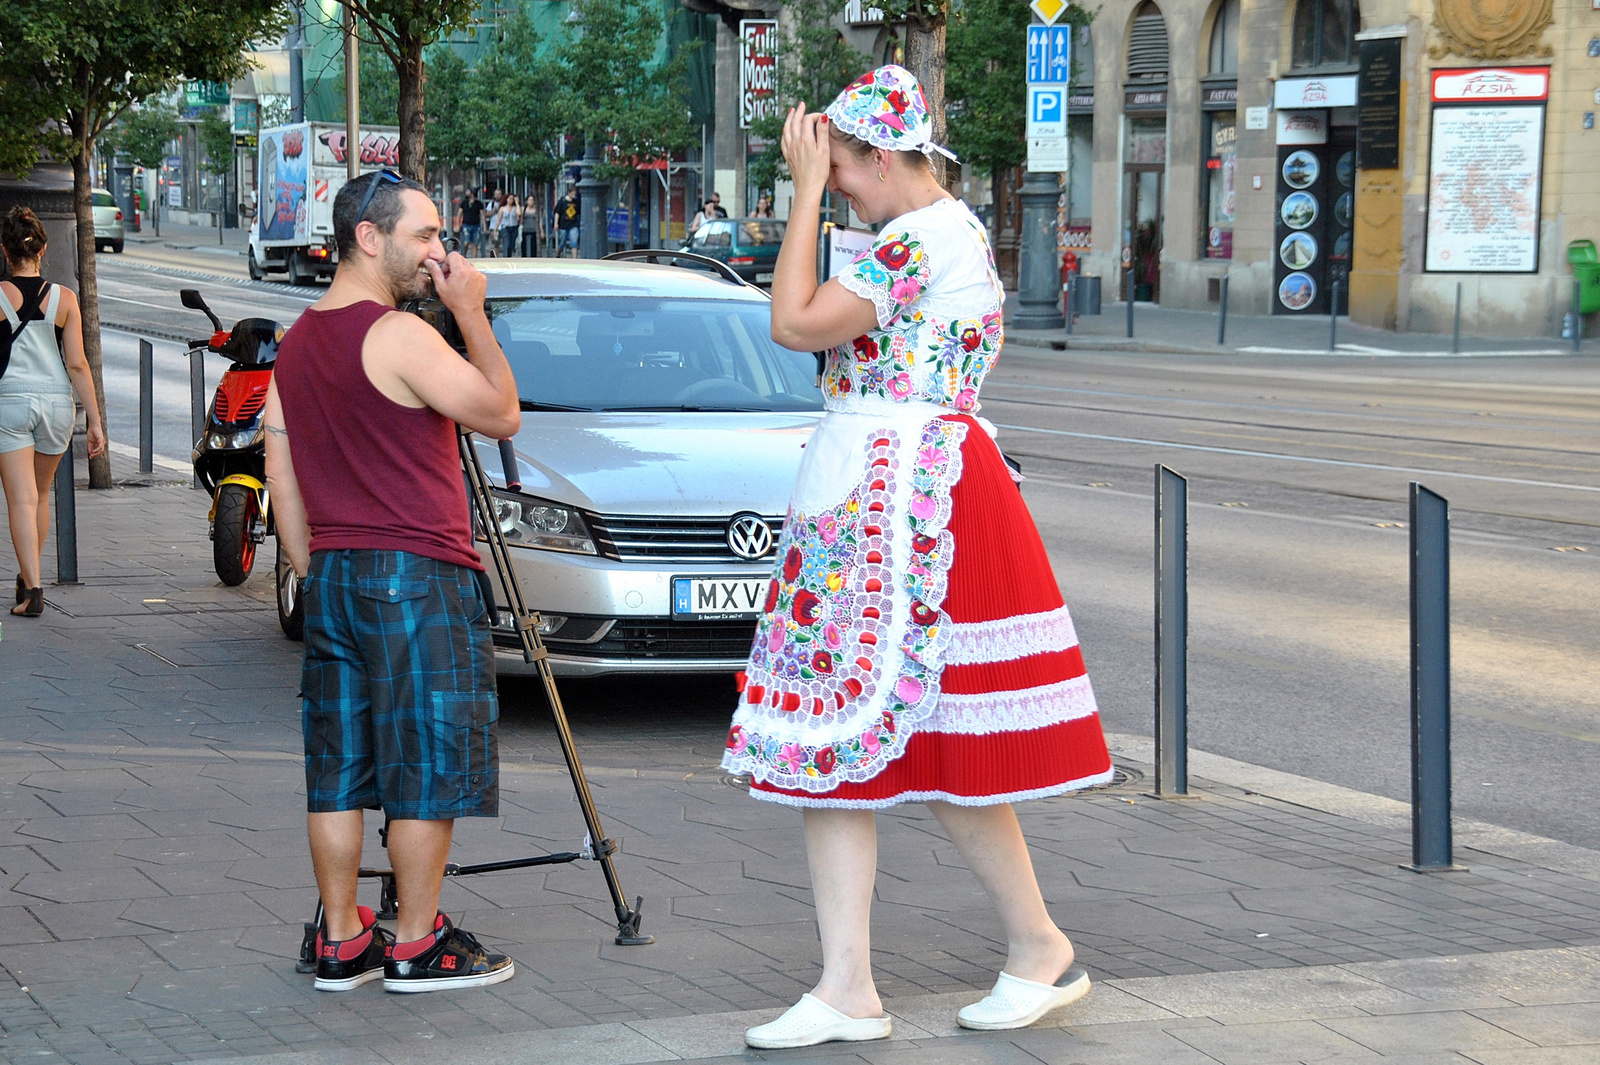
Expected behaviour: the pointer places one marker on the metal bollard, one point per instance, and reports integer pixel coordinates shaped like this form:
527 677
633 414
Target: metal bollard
147 406
1431 850
1333 317
1577 315
66 506
1172 635
1455 338
1222 316
197 398
1130 304
1072 299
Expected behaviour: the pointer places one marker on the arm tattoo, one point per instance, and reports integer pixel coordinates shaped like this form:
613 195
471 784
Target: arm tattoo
277 430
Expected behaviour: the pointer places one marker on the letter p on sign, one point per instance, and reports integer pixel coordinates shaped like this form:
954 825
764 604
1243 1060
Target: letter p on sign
1047 111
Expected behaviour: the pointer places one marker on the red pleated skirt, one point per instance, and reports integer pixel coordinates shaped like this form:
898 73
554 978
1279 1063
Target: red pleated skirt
1016 716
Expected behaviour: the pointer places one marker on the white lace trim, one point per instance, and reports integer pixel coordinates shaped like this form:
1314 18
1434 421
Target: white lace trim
1019 711
823 802
973 642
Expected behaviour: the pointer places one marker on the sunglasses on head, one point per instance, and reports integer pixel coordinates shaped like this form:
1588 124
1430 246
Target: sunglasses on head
377 179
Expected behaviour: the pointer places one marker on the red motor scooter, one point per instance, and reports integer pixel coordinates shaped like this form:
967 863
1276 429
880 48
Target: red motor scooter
230 456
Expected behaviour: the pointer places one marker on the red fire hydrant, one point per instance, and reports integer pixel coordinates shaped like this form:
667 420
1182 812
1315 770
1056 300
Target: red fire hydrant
1069 266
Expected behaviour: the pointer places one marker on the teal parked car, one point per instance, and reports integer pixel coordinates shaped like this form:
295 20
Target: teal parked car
749 245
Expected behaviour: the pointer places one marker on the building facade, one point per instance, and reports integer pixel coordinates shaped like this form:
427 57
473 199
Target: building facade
1292 145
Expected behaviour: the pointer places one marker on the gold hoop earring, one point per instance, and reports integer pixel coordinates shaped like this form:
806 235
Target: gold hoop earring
881 177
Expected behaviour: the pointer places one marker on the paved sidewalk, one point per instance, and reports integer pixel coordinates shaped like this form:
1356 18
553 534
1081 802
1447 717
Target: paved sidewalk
1162 329
153 879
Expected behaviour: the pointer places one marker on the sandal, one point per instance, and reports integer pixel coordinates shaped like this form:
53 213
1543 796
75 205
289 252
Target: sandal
811 1021
1017 1003
22 589
32 603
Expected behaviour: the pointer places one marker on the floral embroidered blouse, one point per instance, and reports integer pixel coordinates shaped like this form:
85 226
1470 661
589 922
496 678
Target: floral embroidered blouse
931 276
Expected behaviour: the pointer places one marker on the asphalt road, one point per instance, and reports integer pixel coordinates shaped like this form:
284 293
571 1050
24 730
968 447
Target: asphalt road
1298 472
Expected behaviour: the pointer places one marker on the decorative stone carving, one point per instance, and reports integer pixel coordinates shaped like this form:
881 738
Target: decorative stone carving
1491 29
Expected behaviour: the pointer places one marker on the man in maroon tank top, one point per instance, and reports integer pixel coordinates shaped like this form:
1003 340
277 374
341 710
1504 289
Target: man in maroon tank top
366 483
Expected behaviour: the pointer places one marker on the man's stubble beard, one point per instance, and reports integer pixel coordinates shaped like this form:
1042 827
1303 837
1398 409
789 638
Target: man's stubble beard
400 273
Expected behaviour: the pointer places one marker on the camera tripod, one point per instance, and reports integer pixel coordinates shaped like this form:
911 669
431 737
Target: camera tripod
597 845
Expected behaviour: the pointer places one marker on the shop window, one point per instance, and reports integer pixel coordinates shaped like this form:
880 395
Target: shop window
1325 33
1080 176
1225 39
1222 136
1147 44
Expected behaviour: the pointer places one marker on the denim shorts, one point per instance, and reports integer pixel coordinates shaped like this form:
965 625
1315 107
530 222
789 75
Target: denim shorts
42 421
471 235
569 237
400 707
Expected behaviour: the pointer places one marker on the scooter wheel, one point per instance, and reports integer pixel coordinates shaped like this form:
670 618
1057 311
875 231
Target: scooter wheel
233 549
291 610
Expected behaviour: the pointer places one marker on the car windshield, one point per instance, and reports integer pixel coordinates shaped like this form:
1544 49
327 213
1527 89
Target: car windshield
103 199
753 233
615 354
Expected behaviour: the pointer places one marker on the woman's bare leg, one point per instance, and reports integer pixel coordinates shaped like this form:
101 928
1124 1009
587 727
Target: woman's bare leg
842 846
44 475
22 510
990 841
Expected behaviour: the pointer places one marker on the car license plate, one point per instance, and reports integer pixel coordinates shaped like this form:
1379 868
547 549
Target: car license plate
718 598
763 279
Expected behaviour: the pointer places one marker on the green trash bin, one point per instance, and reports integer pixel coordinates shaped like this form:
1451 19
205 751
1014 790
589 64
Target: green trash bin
1585 263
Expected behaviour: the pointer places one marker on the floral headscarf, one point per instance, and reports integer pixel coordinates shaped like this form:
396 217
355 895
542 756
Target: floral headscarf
886 108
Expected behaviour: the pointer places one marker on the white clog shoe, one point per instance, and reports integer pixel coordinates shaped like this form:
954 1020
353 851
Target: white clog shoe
811 1021
1017 1003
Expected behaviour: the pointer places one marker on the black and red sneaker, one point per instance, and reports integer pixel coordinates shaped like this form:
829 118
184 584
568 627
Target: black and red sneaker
454 959
342 965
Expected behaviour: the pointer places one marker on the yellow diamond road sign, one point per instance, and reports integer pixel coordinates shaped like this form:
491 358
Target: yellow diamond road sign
1049 10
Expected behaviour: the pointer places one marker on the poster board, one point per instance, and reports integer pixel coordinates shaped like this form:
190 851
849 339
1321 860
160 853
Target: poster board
1486 169
840 247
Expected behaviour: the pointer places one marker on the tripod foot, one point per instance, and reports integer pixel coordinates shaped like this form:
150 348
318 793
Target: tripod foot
628 934
307 962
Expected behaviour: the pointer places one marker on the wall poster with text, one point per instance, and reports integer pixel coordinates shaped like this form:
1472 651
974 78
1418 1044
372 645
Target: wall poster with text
1485 169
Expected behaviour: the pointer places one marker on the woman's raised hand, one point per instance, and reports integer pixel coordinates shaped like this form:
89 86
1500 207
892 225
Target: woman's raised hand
806 149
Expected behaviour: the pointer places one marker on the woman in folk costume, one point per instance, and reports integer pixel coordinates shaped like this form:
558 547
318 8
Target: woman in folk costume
914 645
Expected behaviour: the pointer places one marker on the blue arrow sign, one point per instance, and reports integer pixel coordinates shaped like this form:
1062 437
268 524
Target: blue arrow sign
1049 55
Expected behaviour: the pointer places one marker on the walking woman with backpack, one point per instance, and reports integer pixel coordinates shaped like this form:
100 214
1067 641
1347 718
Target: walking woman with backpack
40 368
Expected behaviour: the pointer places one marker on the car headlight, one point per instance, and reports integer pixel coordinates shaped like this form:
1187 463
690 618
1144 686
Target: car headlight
529 522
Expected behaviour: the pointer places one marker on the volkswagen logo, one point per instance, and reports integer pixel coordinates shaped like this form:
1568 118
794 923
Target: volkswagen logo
749 536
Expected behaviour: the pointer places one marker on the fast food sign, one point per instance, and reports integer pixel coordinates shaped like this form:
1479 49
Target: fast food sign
758 70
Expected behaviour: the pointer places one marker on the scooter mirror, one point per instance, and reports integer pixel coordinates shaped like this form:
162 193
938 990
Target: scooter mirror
195 302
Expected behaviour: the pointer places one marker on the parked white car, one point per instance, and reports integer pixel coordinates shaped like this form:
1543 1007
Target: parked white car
108 232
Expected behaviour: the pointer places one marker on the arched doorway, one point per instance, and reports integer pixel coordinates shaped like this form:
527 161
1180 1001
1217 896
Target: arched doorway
1144 157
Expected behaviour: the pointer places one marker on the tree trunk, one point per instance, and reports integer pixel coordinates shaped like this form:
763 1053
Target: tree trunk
89 296
413 129
925 59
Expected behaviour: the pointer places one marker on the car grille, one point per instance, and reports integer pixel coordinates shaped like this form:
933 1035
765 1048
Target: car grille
657 638
670 539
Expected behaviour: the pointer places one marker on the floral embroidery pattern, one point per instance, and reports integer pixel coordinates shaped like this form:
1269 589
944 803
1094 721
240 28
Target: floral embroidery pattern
820 654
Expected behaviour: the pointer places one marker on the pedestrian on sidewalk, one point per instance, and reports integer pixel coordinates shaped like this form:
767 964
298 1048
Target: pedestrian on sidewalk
365 472
41 365
471 224
510 222
914 646
569 218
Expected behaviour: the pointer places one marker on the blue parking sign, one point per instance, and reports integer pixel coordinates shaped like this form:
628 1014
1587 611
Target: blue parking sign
1049 55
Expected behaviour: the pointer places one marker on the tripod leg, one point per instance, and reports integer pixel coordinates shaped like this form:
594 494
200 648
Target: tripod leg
481 493
307 962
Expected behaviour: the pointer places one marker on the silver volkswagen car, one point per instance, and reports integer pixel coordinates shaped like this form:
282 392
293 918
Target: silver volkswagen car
661 434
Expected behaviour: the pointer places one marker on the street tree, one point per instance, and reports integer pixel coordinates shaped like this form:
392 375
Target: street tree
380 89
69 71
814 63
925 32
617 90
403 30
216 147
144 134
458 134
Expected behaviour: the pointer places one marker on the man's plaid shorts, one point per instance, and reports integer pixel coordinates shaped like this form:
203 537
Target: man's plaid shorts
400 705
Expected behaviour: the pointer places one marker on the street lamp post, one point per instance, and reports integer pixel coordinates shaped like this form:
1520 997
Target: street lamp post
592 191
1039 287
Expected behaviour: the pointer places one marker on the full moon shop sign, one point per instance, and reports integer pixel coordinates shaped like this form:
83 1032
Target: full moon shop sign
758 70
1485 169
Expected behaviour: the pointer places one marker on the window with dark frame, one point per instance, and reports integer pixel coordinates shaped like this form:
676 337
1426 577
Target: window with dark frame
1325 33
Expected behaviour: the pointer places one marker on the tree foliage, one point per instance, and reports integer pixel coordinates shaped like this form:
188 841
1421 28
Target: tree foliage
145 132
216 142
69 70
403 30
380 89
616 91
515 98
814 63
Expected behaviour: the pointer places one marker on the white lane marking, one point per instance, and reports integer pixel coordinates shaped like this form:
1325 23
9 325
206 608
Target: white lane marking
155 460
1360 351
142 303
1303 458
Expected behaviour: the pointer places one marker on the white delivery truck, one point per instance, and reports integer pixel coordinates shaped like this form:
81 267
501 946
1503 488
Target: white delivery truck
303 168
